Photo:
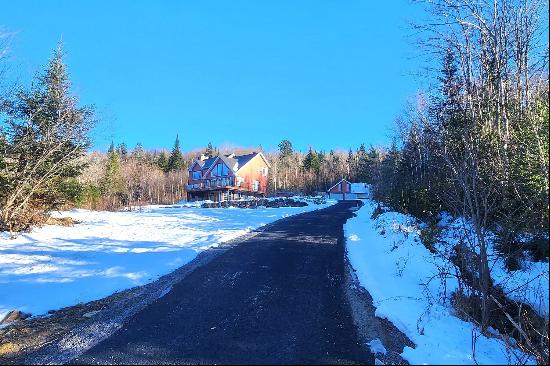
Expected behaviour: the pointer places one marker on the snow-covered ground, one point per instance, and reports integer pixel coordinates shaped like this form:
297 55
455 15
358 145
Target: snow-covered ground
400 274
55 266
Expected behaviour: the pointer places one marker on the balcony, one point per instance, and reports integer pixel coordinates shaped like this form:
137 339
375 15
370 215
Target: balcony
224 183
216 183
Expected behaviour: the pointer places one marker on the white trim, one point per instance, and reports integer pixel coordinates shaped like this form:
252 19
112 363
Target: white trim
211 166
340 181
193 165
265 159
258 153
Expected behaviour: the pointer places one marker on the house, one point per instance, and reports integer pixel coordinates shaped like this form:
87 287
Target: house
344 190
228 177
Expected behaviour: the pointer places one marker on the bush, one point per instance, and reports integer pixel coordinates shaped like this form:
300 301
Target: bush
429 235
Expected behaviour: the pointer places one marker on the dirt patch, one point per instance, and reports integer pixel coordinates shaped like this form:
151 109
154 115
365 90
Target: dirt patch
61 221
371 327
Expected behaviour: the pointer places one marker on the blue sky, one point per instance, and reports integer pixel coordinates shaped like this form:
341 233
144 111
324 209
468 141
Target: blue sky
327 74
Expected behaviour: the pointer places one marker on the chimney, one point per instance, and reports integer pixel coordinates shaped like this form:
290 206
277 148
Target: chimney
203 157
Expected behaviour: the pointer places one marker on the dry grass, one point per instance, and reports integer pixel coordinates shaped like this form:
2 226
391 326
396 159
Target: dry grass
61 221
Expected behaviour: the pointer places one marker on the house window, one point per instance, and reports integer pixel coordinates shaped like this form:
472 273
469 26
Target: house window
197 175
264 171
256 186
240 180
220 170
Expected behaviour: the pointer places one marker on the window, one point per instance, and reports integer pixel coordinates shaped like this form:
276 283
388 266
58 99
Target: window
196 175
240 180
256 185
220 170
264 171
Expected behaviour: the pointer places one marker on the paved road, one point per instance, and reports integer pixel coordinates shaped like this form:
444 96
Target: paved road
275 298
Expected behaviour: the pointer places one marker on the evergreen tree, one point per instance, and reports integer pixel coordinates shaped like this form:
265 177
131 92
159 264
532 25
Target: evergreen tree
388 192
122 150
373 165
352 166
362 164
176 161
139 151
210 151
162 162
46 134
311 161
286 152
113 182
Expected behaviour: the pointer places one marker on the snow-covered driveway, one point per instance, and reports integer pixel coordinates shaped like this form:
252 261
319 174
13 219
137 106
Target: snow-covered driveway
54 266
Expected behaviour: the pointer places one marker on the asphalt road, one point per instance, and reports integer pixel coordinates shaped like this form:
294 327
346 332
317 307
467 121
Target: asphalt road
275 298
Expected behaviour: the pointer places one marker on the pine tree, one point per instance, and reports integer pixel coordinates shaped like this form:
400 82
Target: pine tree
122 150
210 152
139 151
286 152
176 161
46 133
311 161
362 164
162 162
112 182
351 165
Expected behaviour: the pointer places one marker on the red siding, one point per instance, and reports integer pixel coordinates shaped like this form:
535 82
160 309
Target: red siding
345 186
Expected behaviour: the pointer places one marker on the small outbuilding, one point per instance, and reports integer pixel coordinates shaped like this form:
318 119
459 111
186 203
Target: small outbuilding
344 190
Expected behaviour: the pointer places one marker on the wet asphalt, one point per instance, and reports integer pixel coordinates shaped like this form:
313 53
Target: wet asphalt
275 298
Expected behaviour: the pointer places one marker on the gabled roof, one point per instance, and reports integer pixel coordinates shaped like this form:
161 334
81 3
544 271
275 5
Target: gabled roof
235 163
204 164
208 162
230 162
340 181
355 187
243 159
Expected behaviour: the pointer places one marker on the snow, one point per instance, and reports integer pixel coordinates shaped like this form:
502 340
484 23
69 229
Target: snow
359 188
55 266
376 346
401 275
529 284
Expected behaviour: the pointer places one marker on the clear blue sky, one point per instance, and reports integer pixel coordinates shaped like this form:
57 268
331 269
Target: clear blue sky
330 74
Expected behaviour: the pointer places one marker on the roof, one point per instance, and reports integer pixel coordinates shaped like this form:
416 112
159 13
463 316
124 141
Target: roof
208 162
355 187
235 163
243 159
232 163
340 181
204 164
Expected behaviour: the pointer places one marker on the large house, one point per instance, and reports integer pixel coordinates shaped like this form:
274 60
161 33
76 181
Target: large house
344 190
228 177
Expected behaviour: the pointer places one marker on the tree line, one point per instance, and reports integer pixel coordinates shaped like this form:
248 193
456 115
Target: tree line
476 146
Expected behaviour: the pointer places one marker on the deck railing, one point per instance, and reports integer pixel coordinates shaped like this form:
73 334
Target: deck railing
225 182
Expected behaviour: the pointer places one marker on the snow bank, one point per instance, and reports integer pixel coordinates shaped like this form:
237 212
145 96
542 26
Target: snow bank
529 284
398 271
54 266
